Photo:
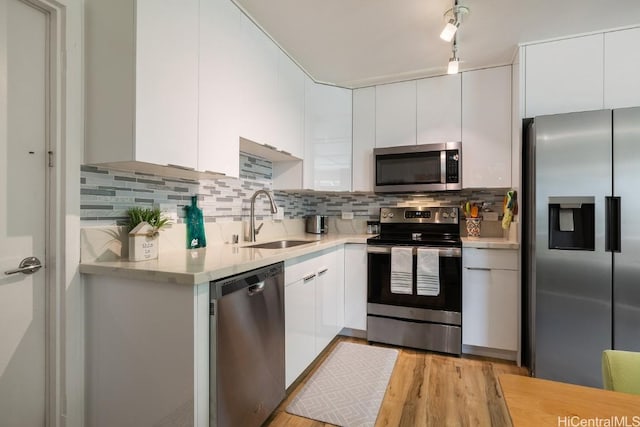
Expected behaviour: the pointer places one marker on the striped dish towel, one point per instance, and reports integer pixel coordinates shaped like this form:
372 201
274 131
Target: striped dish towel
428 272
401 270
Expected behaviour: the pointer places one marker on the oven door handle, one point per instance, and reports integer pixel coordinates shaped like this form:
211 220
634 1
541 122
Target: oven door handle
442 252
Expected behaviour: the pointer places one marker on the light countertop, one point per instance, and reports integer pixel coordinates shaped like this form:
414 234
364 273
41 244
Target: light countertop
190 267
489 243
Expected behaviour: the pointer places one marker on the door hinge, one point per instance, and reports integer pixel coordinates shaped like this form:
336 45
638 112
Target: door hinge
50 158
212 309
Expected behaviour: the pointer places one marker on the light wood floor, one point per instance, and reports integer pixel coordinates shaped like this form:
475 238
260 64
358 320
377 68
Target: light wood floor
427 389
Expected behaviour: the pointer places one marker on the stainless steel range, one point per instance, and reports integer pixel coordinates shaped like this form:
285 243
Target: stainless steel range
415 279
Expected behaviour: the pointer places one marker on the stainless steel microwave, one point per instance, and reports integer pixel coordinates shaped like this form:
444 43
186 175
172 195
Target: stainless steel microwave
418 168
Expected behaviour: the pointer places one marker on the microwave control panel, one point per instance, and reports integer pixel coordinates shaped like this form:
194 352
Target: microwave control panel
453 166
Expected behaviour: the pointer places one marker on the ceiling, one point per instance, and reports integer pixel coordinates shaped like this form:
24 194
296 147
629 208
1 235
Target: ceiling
355 43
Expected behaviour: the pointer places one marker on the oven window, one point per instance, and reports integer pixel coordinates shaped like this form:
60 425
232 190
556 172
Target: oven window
412 168
379 285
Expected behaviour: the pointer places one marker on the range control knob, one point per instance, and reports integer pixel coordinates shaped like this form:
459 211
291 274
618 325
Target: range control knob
384 214
453 214
445 215
390 214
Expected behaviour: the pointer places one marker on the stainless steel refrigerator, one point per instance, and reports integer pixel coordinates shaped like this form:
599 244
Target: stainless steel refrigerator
582 242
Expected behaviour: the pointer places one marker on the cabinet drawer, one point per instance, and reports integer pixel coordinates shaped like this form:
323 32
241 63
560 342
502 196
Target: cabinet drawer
503 259
298 268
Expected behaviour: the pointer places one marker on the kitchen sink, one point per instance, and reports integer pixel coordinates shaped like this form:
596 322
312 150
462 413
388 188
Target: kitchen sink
280 244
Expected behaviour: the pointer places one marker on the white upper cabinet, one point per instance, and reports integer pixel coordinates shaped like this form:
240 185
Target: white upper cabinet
565 76
289 128
439 109
486 128
219 102
364 138
257 70
327 154
622 68
142 81
396 114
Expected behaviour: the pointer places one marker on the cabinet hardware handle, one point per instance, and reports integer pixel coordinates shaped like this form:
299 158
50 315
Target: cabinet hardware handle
478 268
309 277
323 271
185 168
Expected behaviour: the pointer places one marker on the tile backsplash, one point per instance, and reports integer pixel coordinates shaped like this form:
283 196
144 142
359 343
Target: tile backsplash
107 194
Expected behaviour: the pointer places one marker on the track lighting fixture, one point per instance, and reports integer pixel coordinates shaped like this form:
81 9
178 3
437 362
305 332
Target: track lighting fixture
449 30
453 17
454 61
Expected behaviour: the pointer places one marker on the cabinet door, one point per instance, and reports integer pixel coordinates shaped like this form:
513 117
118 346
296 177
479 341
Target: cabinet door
327 155
339 278
326 299
490 308
396 114
300 323
439 109
364 138
258 72
219 101
355 286
622 68
166 119
486 128
564 76
290 107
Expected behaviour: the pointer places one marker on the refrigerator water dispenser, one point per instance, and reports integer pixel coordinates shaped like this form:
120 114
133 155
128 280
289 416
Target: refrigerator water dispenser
572 223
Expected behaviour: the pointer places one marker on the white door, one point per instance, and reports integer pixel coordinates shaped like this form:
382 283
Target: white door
23 210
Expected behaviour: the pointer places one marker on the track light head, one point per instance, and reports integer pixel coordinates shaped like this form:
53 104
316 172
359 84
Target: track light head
449 30
454 63
453 17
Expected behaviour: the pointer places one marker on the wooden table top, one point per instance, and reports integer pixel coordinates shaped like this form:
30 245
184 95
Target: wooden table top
537 402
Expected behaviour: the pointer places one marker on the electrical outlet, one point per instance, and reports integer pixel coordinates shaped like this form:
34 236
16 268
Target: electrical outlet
279 216
347 215
168 210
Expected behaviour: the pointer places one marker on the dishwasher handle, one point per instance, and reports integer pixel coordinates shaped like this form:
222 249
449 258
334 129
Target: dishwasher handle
258 288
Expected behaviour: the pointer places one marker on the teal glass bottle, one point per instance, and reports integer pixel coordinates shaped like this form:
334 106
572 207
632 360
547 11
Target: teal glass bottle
195 225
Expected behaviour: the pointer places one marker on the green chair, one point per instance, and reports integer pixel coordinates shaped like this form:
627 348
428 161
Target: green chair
621 371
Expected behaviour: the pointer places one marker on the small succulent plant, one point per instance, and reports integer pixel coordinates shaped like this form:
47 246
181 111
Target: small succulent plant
151 216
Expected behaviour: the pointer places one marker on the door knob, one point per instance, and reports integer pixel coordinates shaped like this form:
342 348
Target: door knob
28 265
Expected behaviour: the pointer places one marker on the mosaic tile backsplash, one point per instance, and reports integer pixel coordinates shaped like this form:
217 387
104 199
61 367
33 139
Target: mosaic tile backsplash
107 194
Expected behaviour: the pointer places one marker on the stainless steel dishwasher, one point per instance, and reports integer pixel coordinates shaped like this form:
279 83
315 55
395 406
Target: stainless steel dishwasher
246 347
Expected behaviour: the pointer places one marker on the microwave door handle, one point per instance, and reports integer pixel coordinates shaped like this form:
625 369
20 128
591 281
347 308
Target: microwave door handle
443 167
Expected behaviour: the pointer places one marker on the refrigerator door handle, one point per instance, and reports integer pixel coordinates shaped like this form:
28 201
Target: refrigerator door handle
612 229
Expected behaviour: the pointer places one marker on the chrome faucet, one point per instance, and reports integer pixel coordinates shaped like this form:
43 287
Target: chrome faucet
253 231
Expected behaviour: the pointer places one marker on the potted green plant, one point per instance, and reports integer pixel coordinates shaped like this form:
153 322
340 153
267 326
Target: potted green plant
144 225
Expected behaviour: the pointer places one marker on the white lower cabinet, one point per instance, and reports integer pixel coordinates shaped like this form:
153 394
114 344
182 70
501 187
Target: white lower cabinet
313 291
355 286
326 301
490 299
300 326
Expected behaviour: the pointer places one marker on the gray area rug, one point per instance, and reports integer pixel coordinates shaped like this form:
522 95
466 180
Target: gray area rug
348 388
